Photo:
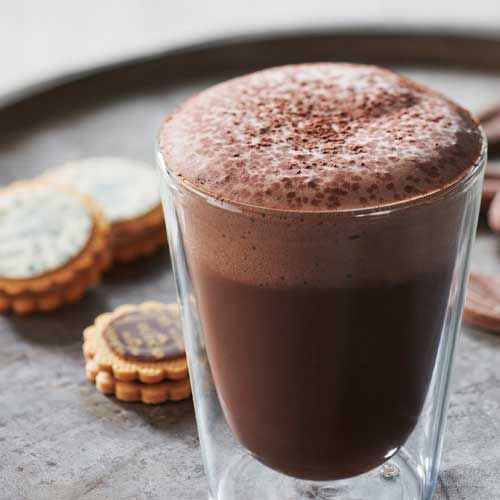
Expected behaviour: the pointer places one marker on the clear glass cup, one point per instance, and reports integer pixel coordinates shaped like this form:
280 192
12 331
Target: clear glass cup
320 343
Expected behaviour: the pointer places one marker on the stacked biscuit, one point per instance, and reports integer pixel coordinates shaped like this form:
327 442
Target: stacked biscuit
482 304
127 193
490 122
61 231
137 354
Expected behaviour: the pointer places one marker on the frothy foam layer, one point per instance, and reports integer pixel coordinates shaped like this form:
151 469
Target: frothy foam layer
320 137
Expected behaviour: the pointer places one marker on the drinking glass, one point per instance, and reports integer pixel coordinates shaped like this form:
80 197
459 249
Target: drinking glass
336 385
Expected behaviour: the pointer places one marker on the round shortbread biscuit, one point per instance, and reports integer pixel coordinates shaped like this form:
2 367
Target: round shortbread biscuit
127 192
55 244
490 121
140 247
41 228
492 169
491 186
138 391
482 303
138 342
494 208
124 189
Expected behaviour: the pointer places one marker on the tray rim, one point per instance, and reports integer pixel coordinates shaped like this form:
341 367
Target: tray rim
445 33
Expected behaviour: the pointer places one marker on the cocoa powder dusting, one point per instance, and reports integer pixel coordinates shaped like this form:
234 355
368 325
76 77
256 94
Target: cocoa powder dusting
320 137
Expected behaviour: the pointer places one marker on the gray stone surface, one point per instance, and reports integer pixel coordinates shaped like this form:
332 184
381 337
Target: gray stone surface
60 439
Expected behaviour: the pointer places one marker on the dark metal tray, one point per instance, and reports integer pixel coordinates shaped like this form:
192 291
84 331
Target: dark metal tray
59 437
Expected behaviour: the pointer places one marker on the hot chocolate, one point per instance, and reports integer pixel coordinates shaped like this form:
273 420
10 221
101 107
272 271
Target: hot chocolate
320 218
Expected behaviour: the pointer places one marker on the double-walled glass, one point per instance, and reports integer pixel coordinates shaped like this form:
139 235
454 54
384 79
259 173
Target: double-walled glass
320 343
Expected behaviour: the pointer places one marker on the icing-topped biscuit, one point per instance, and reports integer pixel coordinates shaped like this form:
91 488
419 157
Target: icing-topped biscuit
41 229
55 244
124 188
138 342
127 192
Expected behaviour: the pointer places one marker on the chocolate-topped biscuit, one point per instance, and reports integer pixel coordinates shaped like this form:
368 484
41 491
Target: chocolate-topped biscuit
482 302
132 391
491 187
138 342
492 170
146 335
490 121
491 184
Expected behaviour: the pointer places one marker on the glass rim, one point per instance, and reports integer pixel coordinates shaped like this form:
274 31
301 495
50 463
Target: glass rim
459 185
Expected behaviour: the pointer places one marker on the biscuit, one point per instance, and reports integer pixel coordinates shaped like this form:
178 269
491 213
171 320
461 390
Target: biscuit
494 213
170 390
491 186
490 121
482 302
143 244
127 192
492 170
138 342
55 244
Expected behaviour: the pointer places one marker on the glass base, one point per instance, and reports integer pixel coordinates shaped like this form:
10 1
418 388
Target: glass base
247 479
